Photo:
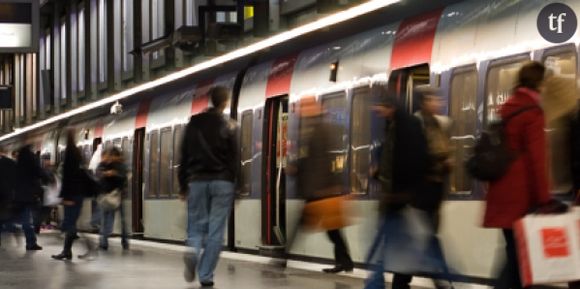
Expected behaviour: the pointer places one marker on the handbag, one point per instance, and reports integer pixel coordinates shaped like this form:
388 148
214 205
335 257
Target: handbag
110 201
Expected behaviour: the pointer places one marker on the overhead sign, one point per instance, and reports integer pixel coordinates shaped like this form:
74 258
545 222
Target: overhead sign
18 26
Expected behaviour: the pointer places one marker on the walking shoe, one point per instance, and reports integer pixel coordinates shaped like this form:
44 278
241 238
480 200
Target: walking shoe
190 264
34 247
206 283
337 269
62 256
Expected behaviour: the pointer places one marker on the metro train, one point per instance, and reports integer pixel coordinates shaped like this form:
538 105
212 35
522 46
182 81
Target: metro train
471 50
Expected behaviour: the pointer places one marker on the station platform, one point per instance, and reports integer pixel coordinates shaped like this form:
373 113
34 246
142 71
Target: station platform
156 265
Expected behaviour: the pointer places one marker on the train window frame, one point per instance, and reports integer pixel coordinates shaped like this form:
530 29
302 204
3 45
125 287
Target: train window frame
351 149
178 133
343 93
470 68
522 57
559 51
167 131
153 188
249 146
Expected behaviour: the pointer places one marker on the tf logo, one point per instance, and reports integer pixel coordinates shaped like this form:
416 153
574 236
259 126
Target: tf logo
557 23
555 242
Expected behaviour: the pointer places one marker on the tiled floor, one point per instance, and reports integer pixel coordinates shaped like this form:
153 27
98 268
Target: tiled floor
142 267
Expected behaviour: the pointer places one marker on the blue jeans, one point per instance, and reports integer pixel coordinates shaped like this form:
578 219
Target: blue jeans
71 216
208 207
108 220
25 219
96 214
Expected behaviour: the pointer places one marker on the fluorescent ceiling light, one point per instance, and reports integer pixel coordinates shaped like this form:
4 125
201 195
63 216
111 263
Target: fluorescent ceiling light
330 20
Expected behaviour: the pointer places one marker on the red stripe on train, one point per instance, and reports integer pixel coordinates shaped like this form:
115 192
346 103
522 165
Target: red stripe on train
414 40
200 98
142 113
280 76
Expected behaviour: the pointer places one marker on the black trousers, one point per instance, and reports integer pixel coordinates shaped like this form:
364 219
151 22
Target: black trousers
341 255
509 276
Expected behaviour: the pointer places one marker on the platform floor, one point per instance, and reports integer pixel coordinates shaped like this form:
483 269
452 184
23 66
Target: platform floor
143 267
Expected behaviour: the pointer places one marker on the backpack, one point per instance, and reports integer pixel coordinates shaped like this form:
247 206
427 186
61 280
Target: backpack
491 155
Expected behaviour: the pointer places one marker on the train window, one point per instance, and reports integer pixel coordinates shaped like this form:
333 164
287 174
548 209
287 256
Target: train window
334 106
463 103
165 161
501 79
360 140
177 139
153 163
246 154
558 134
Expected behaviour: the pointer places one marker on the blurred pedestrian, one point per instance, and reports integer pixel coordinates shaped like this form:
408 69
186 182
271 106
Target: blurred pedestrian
524 186
207 177
402 166
96 213
319 179
112 175
76 185
7 188
29 177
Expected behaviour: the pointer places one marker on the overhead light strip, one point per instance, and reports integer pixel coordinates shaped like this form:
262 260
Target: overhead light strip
330 20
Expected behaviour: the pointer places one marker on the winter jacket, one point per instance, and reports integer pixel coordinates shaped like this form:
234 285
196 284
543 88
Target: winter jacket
75 180
209 150
29 178
117 180
319 175
7 183
403 162
525 184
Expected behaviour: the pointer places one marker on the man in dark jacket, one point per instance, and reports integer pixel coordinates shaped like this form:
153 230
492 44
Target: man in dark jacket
28 193
207 174
7 171
401 169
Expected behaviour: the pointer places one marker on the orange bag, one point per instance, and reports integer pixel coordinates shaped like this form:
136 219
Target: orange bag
326 214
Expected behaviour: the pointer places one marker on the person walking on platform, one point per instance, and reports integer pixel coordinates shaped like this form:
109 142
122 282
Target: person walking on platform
432 193
320 183
8 173
524 186
29 177
112 174
207 177
76 185
402 165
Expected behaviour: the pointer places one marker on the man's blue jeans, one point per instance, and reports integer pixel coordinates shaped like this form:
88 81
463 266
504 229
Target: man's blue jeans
108 219
209 205
25 219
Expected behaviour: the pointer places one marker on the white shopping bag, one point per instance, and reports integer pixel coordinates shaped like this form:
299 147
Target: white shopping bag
52 193
549 248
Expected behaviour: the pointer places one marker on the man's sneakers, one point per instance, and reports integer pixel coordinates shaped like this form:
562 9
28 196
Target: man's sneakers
206 283
189 260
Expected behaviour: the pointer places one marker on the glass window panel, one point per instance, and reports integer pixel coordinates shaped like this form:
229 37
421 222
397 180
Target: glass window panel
360 140
73 54
334 106
246 152
48 46
463 112
558 132
501 79
177 138
221 17
153 164
127 35
81 47
102 41
63 66
190 12
165 162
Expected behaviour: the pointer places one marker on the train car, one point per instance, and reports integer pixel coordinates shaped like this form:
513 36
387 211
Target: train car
471 50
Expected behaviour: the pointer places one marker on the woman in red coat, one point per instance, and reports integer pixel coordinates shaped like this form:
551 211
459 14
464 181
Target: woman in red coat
525 184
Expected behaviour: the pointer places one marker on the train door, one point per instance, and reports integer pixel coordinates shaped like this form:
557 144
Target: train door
274 183
137 182
403 82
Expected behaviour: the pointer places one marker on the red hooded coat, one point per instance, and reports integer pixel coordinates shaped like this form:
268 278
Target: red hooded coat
525 184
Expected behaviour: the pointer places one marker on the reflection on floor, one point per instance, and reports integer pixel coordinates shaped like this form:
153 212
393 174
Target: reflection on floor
142 267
